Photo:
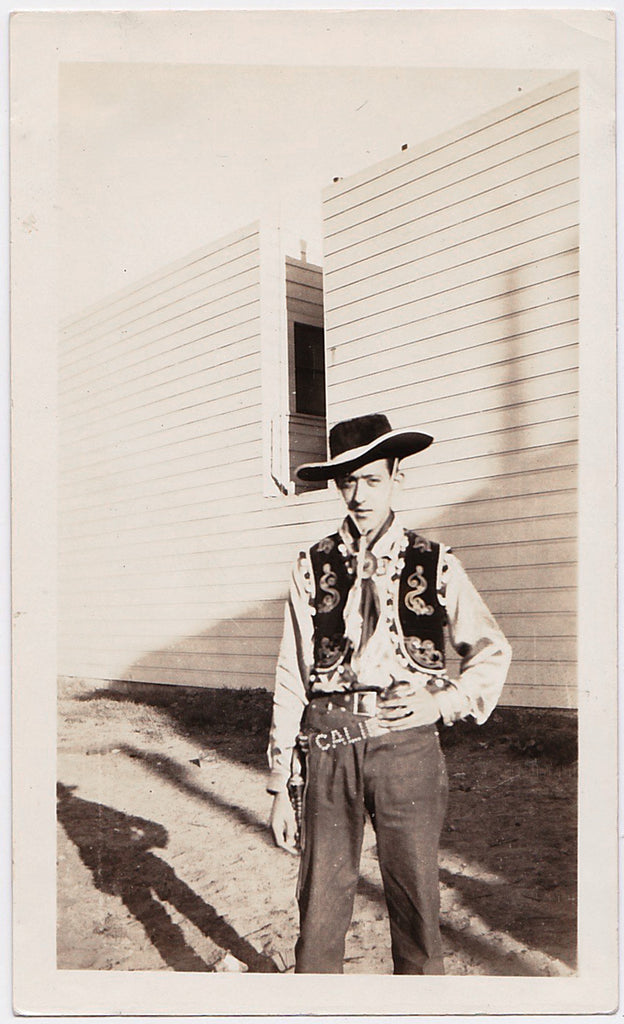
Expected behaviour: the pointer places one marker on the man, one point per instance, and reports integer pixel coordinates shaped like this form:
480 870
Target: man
360 684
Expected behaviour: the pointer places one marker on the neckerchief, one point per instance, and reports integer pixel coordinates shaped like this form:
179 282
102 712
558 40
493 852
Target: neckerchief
361 612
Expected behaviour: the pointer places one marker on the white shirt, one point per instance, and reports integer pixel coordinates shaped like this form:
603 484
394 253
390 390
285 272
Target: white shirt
473 632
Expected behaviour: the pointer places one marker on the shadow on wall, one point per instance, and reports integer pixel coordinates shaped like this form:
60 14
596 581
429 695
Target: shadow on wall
251 640
249 644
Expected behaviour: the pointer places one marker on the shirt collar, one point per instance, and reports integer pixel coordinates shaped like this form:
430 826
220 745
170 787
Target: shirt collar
391 534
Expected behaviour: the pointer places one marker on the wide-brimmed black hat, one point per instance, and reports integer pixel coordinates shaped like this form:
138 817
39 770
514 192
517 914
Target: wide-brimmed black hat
354 443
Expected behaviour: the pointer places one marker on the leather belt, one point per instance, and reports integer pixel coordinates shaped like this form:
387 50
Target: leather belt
358 702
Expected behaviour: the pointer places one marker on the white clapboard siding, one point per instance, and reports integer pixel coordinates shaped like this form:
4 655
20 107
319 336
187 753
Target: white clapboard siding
449 297
186 558
434 337
190 651
518 156
155 292
451 314
146 429
503 489
485 134
504 250
543 189
90 458
159 382
180 483
186 317
451 290
220 344
161 426
192 589
183 336
168 541
245 529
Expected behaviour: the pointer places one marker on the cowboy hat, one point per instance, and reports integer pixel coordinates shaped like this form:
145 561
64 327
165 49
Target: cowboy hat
354 443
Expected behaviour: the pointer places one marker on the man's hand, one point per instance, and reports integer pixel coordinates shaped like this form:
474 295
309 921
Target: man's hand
404 705
282 822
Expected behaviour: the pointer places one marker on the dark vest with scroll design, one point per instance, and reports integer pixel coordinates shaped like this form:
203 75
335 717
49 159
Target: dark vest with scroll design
416 617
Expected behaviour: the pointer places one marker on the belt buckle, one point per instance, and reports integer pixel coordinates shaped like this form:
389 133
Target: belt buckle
365 703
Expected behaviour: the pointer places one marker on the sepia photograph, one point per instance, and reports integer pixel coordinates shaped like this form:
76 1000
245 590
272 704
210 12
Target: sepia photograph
319 372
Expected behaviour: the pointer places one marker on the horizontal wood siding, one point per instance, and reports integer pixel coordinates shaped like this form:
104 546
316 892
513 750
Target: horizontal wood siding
161 442
174 563
451 291
308 438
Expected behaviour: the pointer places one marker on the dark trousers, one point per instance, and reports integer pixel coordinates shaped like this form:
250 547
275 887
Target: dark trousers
400 779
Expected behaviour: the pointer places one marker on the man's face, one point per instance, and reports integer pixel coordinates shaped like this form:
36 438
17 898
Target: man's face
367 493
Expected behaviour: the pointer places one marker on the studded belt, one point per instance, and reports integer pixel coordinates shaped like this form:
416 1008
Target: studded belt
358 702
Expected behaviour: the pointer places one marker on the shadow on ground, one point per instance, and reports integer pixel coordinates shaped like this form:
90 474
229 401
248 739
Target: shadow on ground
116 848
175 774
235 723
172 772
232 723
456 941
512 808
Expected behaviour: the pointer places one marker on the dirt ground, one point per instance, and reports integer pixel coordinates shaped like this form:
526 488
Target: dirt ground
165 861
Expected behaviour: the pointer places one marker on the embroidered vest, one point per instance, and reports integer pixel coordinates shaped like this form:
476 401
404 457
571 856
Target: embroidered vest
414 614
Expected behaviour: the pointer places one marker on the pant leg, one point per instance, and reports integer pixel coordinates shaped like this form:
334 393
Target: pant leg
333 825
406 792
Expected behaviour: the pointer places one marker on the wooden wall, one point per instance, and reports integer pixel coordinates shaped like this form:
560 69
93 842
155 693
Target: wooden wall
160 399
451 289
176 539
450 286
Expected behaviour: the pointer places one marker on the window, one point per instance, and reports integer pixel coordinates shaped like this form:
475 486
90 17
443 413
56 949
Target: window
307 425
309 370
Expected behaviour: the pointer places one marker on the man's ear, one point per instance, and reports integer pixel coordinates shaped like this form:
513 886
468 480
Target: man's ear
399 477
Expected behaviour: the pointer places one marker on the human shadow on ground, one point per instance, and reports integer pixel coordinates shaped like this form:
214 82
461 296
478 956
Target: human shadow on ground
116 848
234 724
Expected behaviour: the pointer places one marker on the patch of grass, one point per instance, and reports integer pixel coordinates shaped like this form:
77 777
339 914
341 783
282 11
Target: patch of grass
234 722
237 723
548 735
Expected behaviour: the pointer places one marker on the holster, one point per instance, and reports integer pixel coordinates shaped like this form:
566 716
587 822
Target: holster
297 782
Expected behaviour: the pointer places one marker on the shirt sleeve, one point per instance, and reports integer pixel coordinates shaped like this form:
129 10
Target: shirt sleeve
293 668
475 635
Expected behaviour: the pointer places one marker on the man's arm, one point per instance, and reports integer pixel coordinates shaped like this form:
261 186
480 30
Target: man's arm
477 638
289 700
